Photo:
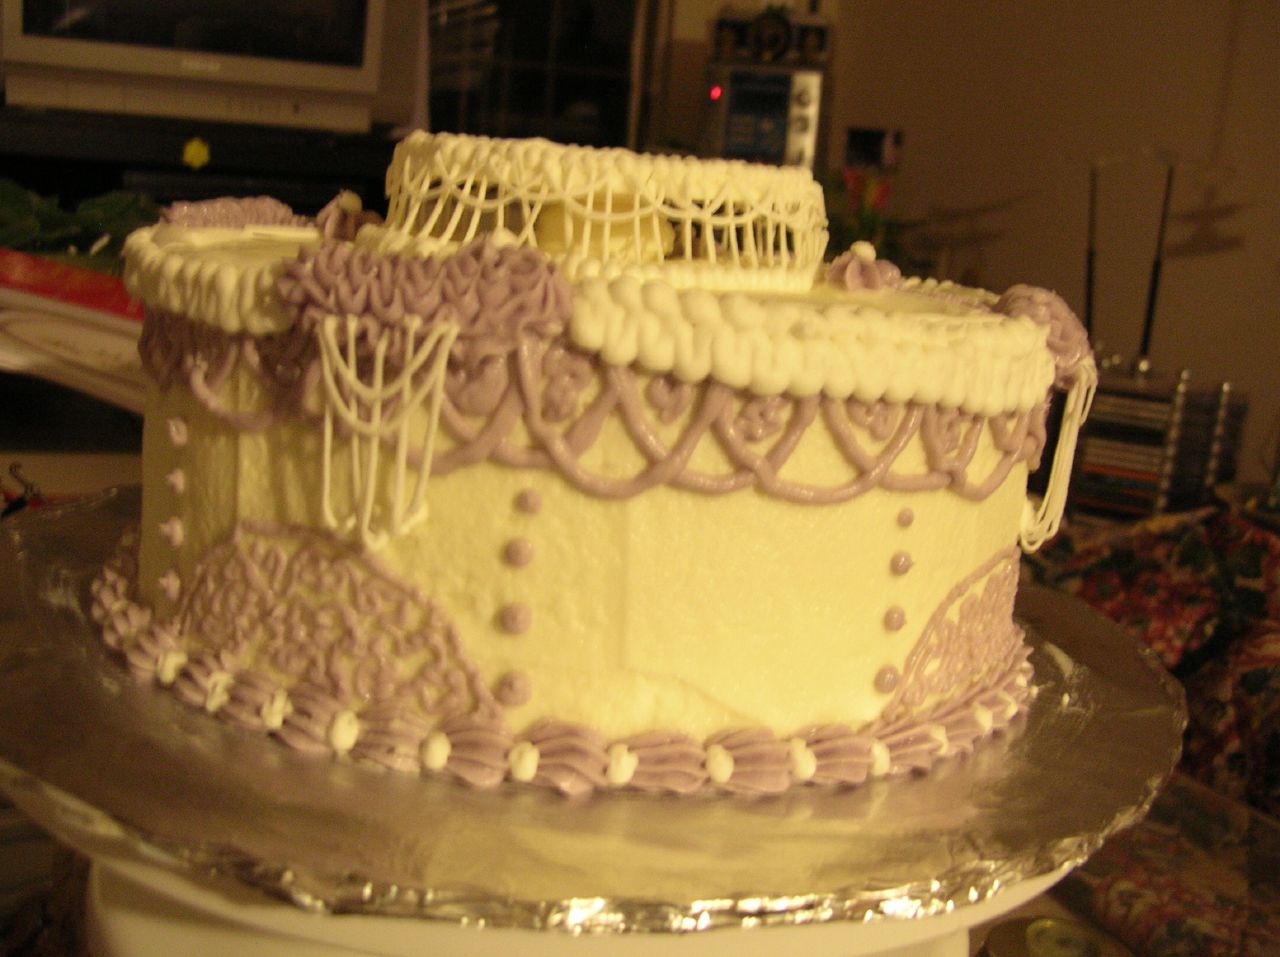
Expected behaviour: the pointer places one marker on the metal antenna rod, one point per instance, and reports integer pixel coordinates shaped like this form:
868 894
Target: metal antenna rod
1090 251
1152 289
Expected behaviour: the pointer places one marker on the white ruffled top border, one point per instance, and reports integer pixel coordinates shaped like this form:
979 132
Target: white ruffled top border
925 342
900 346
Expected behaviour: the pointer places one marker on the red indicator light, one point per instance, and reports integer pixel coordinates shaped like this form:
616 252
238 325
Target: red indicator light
716 92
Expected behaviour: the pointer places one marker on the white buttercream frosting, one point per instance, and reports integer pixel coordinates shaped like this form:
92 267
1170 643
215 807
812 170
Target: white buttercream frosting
622 765
720 764
170 666
522 760
274 710
436 750
344 730
218 691
220 276
178 433
170 584
938 733
707 270
804 763
984 717
172 531
902 345
881 759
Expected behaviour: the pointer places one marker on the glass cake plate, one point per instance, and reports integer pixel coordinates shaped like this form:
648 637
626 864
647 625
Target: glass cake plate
126 772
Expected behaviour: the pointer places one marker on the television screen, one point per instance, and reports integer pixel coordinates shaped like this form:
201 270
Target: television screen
302 63
329 32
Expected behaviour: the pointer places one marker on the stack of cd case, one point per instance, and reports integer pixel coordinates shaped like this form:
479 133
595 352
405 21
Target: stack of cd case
1155 443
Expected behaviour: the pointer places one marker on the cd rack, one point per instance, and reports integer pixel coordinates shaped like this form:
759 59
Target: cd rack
1155 443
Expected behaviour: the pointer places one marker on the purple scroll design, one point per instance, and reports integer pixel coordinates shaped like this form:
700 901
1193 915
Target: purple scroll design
967 642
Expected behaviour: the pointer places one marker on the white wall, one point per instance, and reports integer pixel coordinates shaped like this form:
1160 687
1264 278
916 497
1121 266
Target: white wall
1006 103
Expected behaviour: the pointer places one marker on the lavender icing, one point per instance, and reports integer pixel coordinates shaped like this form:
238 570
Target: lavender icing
572 759
232 213
392 740
494 295
1068 340
758 439
478 750
529 502
667 761
515 618
759 762
860 269
887 679
518 552
969 638
344 216
513 690
341 218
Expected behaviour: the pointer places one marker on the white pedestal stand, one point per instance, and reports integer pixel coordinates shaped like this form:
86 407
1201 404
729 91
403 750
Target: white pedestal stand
140 910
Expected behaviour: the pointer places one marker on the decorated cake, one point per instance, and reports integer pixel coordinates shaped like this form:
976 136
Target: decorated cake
583 470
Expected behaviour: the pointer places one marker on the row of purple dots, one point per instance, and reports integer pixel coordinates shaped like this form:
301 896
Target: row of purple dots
895 617
516 618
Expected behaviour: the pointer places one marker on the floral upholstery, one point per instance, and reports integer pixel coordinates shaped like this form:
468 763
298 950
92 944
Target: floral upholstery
1233 735
1202 589
1201 874
1197 878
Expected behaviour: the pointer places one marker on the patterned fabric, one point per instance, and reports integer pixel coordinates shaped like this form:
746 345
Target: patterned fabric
1202 589
1199 877
1233 737
1167 581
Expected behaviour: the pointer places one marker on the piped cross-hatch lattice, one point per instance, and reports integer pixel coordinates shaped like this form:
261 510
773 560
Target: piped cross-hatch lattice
579 205
373 406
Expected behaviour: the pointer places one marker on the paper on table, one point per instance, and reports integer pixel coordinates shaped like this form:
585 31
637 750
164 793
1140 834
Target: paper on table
90 352
34 282
71 326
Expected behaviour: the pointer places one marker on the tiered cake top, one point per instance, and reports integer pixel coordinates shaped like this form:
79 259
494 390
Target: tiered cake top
714 224
701 269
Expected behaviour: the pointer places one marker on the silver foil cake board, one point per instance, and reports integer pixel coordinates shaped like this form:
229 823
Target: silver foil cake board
140 910
141 782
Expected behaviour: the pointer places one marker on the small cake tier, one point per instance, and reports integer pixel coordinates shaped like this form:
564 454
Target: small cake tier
704 223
